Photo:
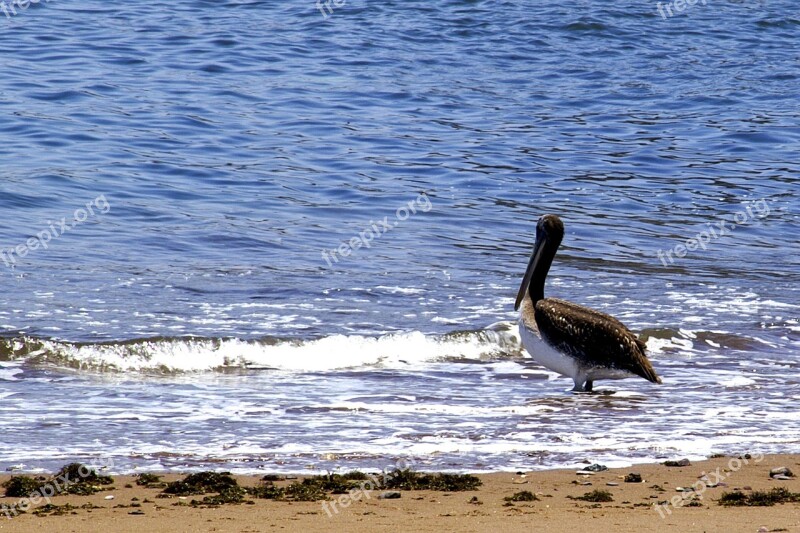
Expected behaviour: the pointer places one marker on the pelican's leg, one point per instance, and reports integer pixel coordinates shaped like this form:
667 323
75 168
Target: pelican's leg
579 384
582 383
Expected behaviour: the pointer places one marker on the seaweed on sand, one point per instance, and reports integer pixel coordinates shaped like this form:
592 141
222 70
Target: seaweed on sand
314 488
598 495
74 478
82 479
321 487
410 480
22 486
523 496
759 498
227 489
150 481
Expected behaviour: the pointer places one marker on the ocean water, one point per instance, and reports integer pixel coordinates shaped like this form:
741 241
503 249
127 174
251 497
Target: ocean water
267 236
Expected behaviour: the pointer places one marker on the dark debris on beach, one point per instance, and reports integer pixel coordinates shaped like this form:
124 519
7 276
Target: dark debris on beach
522 496
759 498
596 496
218 488
150 481
73 478
227 489
314 488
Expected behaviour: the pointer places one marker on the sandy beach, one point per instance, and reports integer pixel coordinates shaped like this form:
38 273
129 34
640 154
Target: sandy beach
642 506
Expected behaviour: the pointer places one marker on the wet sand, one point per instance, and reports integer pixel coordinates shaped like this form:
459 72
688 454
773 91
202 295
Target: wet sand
635 506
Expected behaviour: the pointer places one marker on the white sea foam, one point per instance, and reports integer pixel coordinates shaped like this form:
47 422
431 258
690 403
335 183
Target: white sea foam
329 353
737 381
658 345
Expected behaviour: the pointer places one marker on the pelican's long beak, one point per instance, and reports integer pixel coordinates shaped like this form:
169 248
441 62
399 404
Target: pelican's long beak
536 256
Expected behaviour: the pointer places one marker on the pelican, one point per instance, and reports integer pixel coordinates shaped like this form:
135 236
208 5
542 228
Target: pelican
568 338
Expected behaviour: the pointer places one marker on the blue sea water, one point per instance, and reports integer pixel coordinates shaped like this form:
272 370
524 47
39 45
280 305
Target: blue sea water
250 236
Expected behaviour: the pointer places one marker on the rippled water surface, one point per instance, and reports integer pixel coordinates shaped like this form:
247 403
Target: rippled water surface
243 235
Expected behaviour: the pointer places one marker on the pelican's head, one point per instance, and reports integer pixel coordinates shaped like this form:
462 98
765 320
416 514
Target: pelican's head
551 228
549 232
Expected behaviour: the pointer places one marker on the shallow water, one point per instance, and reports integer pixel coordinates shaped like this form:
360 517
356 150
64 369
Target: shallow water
204 315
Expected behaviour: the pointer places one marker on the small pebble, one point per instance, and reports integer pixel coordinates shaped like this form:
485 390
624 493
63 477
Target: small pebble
595 468
612 484
109 497
391 495
633 477
780 471
682 462
585 473
781 477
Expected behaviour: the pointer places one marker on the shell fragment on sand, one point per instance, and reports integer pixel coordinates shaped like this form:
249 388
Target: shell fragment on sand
781 472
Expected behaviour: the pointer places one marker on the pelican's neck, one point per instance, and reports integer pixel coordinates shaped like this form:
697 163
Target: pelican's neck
540 270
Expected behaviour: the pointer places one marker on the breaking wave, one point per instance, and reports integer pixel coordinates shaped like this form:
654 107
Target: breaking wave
166 355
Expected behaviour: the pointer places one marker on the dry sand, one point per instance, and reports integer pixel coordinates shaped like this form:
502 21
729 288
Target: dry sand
481 510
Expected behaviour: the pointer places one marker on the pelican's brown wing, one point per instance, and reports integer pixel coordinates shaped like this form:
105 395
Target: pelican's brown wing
595 338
